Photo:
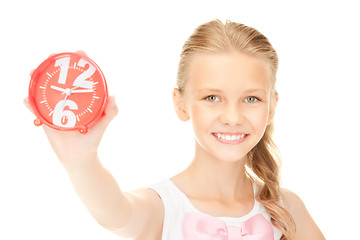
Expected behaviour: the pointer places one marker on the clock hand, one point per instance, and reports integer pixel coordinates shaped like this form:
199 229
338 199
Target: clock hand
82 91
82 85
69 91
57 88
63 105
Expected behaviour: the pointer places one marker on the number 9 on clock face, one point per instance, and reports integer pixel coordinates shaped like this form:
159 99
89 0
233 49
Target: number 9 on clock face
68 91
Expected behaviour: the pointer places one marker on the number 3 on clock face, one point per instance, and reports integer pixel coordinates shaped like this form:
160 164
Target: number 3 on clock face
68 91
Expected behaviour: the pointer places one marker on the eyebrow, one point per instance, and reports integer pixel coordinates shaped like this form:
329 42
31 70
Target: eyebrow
246 91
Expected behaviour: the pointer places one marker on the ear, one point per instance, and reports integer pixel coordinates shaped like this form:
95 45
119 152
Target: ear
273 105
179 105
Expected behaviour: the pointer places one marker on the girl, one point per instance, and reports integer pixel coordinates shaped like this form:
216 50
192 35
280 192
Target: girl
226 88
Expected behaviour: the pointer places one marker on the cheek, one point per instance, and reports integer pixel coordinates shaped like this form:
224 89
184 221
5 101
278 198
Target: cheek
197 115
201 117
258 118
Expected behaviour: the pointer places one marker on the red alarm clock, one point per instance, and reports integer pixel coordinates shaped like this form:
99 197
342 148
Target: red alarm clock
68 91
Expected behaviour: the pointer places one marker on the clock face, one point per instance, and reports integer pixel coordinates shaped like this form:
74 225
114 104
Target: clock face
68 91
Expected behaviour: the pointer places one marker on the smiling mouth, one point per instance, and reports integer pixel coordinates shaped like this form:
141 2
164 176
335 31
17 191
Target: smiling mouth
230 138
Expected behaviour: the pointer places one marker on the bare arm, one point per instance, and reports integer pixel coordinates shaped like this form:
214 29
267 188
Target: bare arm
129 214
306 228
100 193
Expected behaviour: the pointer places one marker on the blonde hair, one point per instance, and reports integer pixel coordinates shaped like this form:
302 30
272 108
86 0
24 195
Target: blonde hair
263 161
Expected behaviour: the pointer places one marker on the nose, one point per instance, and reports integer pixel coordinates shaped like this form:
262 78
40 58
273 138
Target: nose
232 115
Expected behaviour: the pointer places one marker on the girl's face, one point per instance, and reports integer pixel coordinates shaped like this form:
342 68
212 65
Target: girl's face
228 99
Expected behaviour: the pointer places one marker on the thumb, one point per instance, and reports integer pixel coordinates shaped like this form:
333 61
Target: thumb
110 112
27 104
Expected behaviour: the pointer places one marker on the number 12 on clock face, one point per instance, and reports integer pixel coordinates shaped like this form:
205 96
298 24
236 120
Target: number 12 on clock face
68 91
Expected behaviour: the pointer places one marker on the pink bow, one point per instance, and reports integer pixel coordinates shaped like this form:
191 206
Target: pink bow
199 226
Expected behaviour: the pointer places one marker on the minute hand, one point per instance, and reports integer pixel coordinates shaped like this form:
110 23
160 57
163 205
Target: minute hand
82 91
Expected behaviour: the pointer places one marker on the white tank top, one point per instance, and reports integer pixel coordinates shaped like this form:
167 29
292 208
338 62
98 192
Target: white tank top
177 204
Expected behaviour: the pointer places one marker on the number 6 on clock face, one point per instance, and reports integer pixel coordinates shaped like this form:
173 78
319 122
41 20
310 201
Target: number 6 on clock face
68 91
65 118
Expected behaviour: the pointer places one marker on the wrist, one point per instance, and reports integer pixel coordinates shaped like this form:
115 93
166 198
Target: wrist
74 162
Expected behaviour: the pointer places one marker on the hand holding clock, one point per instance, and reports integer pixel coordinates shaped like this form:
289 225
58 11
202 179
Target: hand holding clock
70 146
62 94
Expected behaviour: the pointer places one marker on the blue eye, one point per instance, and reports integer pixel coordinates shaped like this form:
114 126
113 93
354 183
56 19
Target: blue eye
251 99
212 98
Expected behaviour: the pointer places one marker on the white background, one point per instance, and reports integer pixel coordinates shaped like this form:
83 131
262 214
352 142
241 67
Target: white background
137 45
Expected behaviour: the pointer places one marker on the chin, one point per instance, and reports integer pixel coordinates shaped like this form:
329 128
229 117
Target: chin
233 158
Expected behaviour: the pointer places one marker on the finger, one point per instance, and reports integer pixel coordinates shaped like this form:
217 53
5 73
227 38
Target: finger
111 111
81 52
31 72
27 104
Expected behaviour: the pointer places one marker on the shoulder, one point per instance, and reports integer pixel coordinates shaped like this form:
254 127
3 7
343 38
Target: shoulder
306 227
147 214
292 202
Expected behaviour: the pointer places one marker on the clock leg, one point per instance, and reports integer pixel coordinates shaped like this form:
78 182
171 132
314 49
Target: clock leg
37 122
83 130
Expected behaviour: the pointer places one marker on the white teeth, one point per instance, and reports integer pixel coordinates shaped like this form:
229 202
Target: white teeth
231 137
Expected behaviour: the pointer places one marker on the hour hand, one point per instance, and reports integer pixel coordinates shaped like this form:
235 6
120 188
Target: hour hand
58 88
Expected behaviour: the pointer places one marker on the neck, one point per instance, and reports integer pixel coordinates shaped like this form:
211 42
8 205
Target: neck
216 178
